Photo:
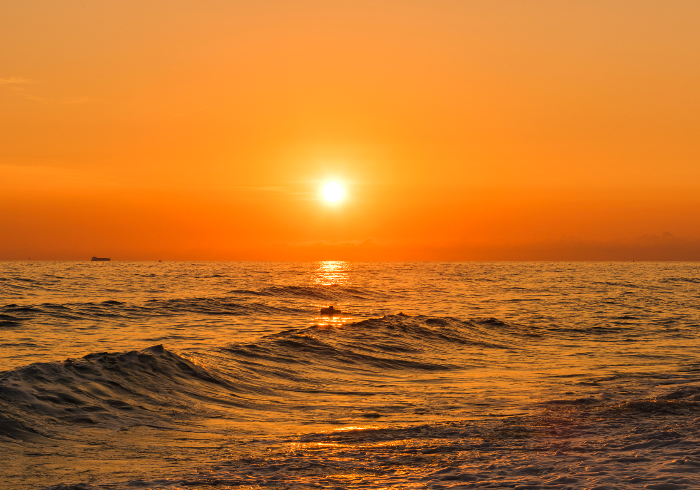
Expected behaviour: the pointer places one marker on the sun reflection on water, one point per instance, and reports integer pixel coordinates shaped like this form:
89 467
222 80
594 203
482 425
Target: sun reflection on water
355 428
330 274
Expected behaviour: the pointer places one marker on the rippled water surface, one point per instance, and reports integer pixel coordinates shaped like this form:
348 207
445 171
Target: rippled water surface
439 375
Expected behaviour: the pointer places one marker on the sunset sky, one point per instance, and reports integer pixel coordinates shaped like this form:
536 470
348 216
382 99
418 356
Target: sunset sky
459 130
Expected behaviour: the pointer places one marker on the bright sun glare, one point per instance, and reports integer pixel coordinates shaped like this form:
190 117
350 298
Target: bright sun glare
333 192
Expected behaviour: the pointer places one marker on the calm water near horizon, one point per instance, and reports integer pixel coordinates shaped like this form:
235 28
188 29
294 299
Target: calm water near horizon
176 375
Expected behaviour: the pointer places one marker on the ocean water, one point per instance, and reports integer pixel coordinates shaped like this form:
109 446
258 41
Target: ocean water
437 375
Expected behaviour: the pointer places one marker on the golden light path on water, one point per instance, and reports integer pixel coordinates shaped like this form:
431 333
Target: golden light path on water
332 273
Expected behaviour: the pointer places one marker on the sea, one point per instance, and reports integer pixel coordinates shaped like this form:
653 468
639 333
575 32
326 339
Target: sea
226 375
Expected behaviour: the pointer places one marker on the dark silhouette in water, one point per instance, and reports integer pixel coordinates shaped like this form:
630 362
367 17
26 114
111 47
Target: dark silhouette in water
100 259
330 311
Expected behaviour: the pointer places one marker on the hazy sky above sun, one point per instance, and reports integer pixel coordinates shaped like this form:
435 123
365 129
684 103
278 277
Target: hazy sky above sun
458 130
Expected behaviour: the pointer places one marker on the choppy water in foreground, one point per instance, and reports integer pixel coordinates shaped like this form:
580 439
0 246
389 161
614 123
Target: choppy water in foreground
438 375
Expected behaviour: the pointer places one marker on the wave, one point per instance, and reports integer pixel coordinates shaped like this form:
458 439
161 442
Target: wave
8 321
692 280
357 381
157 386
238 302
323 293
393 342
579 443
219 306
152 386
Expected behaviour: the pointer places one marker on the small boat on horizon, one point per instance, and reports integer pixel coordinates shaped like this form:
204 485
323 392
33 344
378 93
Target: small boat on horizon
100 259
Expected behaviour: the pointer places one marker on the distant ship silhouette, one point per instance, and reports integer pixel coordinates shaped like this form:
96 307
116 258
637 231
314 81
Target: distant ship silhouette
100 259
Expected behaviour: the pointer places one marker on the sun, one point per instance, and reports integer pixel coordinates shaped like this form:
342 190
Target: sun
333 192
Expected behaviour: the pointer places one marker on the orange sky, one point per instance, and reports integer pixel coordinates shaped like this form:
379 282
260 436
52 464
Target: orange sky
462 130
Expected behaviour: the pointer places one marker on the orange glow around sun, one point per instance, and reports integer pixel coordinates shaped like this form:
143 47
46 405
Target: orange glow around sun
476 130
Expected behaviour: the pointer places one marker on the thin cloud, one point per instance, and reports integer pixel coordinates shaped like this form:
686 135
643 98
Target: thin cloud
69 100
18 86
14 81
